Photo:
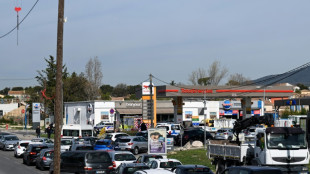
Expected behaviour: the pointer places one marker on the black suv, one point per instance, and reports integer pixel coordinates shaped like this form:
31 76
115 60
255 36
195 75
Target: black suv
32 152
192 134
85 162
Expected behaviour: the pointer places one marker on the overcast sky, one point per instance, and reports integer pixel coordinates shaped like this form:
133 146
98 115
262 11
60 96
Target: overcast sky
168 38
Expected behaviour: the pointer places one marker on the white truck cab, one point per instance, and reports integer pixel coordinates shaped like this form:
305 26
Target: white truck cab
76 131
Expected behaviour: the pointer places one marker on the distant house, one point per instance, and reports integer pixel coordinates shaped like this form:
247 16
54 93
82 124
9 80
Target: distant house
21 95
1 96
305 92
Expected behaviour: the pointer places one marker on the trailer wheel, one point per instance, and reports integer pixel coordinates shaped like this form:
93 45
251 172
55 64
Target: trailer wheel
220 167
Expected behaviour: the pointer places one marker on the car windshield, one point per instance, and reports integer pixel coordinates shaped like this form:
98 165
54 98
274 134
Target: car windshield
66 142
124 157
286 141
98 157
70 132
131 170
267 172
197 171
169 164
103 143
24 144
38 149
165 127
221 131
147 159
49 154
11 138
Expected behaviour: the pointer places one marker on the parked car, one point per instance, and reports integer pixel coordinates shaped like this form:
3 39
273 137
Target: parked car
192 134
65 144
85 162
252 170
104 144
114 136
130 168
145 158
8 142
143 134
32 152
76 147
153 171
173 129
192 169
46 141
44 159
21 147
224 134
109 127
119 157
135 144
166 163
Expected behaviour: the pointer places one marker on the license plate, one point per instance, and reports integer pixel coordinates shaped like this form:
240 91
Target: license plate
221 134
123 148
100 171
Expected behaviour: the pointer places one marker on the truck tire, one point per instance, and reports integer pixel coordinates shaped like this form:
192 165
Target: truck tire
220 167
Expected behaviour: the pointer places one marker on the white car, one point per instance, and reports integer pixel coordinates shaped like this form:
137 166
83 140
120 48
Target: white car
166 163
109 127
66 143
45 141
114 136
153 171
20 148
119 157
173 129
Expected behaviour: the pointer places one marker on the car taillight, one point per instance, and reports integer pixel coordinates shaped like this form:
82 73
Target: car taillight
130 143
80 136
88 168
18 146
32 153
225 133
114 164
44 158
111 167
61 136
186 137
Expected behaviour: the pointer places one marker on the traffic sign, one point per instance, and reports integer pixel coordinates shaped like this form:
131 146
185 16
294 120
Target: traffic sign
23 111
112 111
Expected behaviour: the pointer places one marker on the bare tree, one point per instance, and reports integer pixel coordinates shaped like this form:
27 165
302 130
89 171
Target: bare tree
196 75
237 79
215 74
94 76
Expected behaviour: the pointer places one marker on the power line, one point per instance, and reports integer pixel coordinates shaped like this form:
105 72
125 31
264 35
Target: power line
20 21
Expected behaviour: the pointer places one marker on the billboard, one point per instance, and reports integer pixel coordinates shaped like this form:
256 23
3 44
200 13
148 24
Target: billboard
157 141
36 107
146 88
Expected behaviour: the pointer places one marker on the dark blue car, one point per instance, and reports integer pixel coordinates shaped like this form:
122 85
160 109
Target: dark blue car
104 144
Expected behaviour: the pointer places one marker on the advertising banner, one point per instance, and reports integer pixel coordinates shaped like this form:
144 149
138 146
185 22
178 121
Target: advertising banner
157 141
36 107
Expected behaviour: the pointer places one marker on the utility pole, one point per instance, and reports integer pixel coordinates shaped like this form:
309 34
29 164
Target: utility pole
58 97
151 101
205 119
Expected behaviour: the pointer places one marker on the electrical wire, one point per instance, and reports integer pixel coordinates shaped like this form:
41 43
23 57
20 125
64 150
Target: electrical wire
20 21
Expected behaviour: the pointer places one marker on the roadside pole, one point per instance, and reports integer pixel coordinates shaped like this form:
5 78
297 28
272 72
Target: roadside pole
205 118
59 89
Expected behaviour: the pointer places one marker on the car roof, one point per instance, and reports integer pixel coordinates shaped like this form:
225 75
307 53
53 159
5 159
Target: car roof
134 164
36 145
154 171
119 152
9 135
116 133
149 155
127 137
255 168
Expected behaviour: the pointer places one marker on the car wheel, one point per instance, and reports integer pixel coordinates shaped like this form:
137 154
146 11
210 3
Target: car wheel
28 161
136 151
41 168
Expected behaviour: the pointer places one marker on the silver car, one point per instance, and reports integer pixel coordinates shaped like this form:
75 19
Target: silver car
135 144
224 134
8 142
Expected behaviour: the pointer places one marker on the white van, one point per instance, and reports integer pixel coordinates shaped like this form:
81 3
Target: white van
76 131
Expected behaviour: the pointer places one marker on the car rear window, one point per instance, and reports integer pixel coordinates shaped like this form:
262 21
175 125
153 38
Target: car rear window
267 172
98 157
221 131
169 164
122 140
36 140
102 143
49 154
11 138
124 157
38 149
66 142
24 144
84 148
131 170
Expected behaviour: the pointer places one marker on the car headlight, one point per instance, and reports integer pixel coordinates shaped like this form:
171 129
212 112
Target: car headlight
304 168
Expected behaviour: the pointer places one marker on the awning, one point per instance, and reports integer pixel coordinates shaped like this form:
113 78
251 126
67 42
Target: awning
130 111
165 111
